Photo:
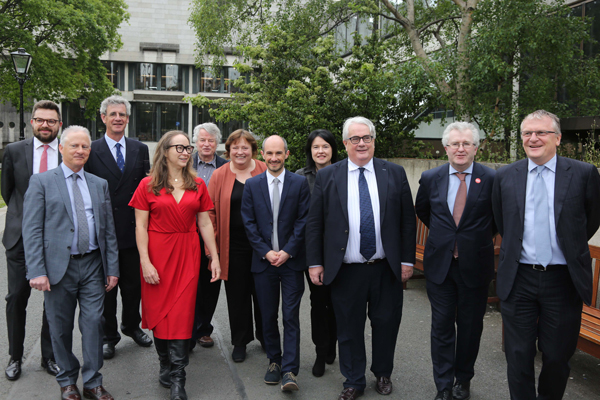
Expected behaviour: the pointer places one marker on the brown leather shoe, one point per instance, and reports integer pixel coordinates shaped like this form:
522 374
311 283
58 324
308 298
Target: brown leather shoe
206 341
350 393
97 393
70 392
384 385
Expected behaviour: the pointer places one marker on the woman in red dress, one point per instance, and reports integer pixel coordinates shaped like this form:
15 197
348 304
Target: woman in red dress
170 205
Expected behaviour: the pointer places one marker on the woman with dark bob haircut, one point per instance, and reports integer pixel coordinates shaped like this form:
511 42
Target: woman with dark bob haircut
226 188
321 151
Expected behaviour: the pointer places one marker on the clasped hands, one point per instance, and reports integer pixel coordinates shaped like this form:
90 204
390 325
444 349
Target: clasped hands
277 258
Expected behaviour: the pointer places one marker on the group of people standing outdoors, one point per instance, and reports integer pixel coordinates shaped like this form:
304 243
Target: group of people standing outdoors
87 218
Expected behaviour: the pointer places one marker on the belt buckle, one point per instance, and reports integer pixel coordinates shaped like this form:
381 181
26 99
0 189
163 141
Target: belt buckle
538 267
371 261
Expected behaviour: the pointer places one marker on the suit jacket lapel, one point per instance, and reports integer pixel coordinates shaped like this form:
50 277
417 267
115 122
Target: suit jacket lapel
474 190
286 188
131 153
381 174
61 184
561 186
442 182
264 188
95 196
341 183
29 155
108 160
520 187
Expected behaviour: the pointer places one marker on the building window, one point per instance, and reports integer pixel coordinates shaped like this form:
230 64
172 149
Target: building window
152 120
146 77
201 116
115 72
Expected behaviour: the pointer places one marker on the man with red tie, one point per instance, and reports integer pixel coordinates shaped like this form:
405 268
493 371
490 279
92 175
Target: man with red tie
21 160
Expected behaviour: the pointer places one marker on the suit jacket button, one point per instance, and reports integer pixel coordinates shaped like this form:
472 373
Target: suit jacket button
116 209
69 247
346 231
72 230
343 249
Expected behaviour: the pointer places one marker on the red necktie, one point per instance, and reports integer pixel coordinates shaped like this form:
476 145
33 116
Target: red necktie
459 204
44 160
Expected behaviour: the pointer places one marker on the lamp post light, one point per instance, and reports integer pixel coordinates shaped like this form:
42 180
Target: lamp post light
82 104
21 61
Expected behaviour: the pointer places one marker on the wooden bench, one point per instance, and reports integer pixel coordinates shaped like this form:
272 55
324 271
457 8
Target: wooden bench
589 335
423 233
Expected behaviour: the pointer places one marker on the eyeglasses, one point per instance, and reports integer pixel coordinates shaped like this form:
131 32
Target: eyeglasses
528 134
40 121
356 139
465 145
180 148
202 141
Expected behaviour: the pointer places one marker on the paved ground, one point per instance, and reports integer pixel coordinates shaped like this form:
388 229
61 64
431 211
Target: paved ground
132 374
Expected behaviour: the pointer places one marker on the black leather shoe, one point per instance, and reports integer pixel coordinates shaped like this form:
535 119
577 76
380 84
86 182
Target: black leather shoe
13 370
238 354
139 337
318 368
461 391
50 366
350 393
108 351
444 395
383 385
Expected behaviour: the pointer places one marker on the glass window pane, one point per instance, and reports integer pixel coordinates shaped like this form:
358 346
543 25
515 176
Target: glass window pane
592 13
173 117
209 83
146 77
145 114
231 75
114 73
171 78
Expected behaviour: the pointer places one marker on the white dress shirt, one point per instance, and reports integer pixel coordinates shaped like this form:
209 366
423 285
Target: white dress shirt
52 153
112 145
270 185
352 254
528 254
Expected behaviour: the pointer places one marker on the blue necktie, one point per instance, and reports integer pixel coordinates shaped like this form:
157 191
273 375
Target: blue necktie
120 159
543 249
367 222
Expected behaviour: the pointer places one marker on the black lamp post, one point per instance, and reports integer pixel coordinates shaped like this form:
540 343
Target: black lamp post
82 103
21 61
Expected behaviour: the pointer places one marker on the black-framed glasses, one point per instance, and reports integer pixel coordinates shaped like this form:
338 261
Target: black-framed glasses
528 134
357 139
49 122
180 148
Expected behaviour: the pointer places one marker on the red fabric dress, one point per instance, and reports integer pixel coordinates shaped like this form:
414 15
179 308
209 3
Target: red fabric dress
174 250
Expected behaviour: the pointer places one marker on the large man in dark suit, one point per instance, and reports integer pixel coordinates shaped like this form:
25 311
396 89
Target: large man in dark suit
455 202
123 162
546 210
21 160
205 161
71 255
361 240
274 209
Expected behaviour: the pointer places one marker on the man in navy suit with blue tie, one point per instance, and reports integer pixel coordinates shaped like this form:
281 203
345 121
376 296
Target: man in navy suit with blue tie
546 210
455 202
274 209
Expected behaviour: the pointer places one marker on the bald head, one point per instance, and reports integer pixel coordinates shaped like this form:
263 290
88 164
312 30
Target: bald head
277 138
275 153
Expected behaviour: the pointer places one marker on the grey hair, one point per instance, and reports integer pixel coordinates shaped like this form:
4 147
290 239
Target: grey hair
357 120
212 129
539 114
114 101
74 128
461 127
284 142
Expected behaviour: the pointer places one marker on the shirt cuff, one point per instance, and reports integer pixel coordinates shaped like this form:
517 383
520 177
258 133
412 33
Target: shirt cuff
314 266
408 264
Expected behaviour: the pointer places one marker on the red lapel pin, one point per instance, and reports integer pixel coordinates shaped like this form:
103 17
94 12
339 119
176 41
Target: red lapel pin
477 180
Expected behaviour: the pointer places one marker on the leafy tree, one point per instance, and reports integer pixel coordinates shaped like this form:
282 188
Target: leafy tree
66 39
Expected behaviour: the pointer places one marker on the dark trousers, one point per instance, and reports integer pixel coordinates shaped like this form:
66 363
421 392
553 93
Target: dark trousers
206 299
542 306
16 305
357 291
456 325
322 319
129 283
83 284
241 295
269 284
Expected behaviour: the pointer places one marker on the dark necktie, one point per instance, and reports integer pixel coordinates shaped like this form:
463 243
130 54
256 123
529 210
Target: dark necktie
120 159
459 203
83 234
367 222
44 160
543 248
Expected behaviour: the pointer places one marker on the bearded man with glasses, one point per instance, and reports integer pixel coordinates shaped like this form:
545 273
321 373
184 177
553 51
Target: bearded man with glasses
21 160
